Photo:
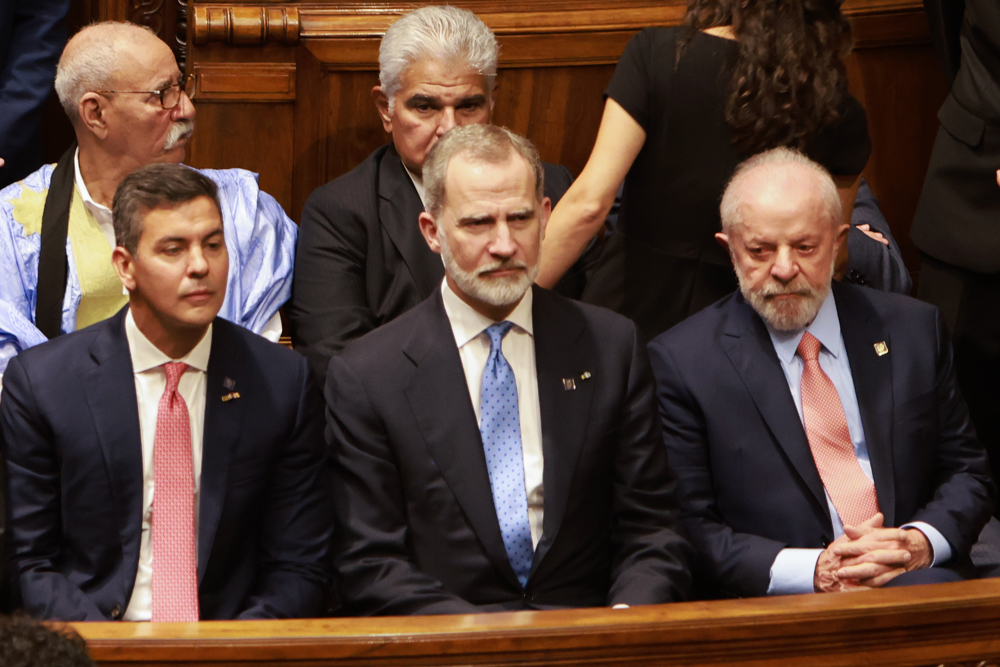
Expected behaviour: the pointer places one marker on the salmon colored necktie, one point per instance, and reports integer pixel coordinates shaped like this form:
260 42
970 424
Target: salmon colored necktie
853 494
175 567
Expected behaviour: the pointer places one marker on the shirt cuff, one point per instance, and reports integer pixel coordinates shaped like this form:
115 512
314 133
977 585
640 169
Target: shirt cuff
794 571
942 550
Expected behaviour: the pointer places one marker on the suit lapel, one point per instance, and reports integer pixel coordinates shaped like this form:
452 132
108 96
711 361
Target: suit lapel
872 375
399 210
439 397
110 394
223 425
561 351
749 348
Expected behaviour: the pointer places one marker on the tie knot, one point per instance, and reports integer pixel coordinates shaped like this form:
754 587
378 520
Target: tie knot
496 332
809 347
174 369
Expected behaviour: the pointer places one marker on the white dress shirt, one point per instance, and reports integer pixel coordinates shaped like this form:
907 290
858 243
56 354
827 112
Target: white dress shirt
101 213
793 570
418 184
469 328
150 383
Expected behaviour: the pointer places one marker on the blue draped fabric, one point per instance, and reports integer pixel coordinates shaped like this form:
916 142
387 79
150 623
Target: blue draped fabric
260 238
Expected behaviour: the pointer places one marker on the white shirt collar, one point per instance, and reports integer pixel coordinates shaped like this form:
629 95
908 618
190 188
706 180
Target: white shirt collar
825 327
100 211
146 356
467 323
418 183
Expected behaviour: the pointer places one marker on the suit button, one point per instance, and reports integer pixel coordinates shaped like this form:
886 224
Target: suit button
824 541
116 613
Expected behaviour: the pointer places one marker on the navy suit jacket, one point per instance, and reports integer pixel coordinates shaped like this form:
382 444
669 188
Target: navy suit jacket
361 260
70 437
747 482
417 532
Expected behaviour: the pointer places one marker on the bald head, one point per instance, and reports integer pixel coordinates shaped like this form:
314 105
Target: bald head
771 175
95 58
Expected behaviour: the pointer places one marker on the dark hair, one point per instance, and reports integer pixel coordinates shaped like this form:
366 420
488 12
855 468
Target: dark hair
789 77
154 186
27 643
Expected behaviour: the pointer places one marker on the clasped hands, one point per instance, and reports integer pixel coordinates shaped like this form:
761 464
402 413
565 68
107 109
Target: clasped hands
869 555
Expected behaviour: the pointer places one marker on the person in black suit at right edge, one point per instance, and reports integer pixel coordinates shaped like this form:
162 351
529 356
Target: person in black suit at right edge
957 222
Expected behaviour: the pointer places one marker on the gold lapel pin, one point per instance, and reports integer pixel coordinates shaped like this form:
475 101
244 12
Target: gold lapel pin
881 349
569 384
230 396
585 375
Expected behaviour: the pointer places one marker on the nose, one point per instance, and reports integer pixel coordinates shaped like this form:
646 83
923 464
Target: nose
184 108
447 120
502 245
197 266
784 268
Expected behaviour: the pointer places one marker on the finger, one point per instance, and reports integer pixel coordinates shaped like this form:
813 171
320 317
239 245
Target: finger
885 556
883 579
865 227
863 571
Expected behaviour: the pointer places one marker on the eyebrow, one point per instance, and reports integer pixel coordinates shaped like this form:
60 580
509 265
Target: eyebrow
469 219
526 212
420 98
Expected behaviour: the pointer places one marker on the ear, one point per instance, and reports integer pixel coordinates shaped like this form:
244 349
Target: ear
544 213
92 110
382 107
723 240
124 264
429 228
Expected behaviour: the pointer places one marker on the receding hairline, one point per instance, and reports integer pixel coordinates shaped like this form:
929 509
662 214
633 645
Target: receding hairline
123 36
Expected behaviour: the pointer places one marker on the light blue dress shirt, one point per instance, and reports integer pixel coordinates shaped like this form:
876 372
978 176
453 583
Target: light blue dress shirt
793 569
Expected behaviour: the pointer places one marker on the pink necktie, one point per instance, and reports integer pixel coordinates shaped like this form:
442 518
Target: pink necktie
852 492
175 567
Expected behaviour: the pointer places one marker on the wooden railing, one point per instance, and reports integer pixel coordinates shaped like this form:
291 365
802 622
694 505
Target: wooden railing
948 624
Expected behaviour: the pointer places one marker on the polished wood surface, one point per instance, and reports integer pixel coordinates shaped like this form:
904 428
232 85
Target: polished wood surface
917 626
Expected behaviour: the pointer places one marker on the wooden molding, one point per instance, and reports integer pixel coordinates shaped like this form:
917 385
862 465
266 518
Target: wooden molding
245 82
250 24
952 624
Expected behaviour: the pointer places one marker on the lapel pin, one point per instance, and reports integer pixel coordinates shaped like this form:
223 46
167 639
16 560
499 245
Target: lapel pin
881 349
569 384
229 383
585 375
230 396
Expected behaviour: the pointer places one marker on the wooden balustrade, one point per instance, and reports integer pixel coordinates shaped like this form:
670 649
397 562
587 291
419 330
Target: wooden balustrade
948 624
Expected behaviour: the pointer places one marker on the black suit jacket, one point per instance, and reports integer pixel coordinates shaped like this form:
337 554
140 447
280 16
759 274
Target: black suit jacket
747 482
417 530
361 260
956 216
70 438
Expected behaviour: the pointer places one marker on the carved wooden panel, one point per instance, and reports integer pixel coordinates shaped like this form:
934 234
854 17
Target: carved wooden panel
556 59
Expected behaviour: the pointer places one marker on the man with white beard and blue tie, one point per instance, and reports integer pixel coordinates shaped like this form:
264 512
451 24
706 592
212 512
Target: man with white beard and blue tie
498 447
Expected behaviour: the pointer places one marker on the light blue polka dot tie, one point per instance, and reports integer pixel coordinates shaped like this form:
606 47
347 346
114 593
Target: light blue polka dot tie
500 425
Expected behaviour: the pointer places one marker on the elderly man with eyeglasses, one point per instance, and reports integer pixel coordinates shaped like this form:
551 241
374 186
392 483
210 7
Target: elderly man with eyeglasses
130 106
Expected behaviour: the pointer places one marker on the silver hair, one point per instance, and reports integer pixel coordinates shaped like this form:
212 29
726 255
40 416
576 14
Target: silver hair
731 209
93 65
437 31
479 143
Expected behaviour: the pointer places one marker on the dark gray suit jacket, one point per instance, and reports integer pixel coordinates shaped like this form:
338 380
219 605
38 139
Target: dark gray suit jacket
69 422
417 532
747 482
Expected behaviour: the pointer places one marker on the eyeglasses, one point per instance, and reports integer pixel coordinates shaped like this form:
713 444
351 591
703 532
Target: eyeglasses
170 96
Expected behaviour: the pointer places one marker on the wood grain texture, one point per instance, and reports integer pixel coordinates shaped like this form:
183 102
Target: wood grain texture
921 625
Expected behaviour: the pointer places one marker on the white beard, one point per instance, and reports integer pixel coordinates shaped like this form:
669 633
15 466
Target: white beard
494 291
791 315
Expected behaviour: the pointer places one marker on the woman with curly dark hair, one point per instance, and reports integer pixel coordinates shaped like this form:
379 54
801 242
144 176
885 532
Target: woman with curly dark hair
684 107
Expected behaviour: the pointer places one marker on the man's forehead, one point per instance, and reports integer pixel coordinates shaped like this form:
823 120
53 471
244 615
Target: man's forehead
434 76
146 63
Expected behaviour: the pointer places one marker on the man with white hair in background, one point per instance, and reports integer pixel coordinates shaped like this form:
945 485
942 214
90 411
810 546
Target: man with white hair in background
130 106
361 261
497 447
817 432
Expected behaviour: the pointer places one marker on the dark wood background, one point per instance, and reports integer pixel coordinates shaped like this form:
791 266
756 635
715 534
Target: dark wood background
284 86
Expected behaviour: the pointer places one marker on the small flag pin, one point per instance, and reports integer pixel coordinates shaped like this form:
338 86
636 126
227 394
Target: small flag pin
569 384
230 397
